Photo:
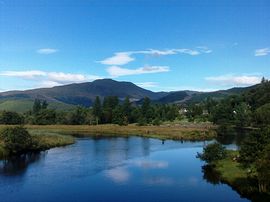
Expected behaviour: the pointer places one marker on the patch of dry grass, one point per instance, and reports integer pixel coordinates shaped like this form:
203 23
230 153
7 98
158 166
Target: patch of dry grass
177 132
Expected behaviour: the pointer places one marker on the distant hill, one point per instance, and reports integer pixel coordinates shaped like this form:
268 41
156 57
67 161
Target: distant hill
178 97
68 96
76 94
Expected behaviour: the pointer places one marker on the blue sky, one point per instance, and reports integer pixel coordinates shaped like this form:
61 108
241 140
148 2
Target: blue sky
159 45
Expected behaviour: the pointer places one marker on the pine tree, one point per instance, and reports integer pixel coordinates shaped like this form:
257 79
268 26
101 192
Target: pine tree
97 111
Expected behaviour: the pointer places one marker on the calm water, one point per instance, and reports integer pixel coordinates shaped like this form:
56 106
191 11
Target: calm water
112 169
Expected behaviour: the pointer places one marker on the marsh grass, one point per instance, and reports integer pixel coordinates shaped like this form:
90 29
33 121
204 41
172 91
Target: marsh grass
41 140
175 132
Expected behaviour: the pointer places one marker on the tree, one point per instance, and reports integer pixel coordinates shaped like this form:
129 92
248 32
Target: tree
109 104
263 171
37 106
16 140
79 116
147 111
212 152
45 117
253 145
11 118
261 115
242 115
127 108
97 111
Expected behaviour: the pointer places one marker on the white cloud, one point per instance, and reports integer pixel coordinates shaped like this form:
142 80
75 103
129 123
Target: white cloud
147 84
47 51
155 52
230 80
120 58
116 71
189 51
23 74
48 84
66 77
262 52
49 79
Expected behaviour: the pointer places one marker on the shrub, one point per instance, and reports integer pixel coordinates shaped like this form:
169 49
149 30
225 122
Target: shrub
213 152
11 118
16 140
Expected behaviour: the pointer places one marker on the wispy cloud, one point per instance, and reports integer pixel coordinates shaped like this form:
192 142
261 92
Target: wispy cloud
47 51
49 79
115 71
122 58
231 80
147 84
23 74
262 52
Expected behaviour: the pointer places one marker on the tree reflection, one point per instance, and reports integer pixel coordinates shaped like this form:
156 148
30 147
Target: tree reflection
18 165
211 175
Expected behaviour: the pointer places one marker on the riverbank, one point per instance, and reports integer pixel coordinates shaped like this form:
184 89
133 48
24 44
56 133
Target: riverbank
42 141
49 136
232 173
190 132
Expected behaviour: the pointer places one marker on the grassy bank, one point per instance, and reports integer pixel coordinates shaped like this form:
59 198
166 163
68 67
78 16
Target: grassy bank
176 132
239 178
48 136
42 141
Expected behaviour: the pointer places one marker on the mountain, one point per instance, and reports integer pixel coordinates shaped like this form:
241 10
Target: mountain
187 96
68 96
77 94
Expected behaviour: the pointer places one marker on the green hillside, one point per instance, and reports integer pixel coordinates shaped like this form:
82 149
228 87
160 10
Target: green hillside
22 106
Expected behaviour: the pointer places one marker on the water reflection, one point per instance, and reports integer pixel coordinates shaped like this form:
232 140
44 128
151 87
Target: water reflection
18 165
211 175
150 164
118 175
84 171
232 138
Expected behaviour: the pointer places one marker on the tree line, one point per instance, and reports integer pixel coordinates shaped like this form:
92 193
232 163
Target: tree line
249 109
110 110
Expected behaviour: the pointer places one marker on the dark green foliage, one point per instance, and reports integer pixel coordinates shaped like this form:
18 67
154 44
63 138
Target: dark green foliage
127 109
16 140
212 152
253 145
97 110
37 106
263 170
78 117
194 111
11 118
147 111
262 115
45 117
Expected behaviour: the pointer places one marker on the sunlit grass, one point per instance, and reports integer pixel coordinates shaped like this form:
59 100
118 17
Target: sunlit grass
176 132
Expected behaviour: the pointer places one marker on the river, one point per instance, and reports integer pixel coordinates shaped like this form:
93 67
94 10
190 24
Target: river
113 169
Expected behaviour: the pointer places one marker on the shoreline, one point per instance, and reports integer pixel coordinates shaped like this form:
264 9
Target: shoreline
50 136
230 172
192 132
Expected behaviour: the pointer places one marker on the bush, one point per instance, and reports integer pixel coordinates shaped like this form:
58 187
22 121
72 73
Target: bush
16 140
11 118
213 152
